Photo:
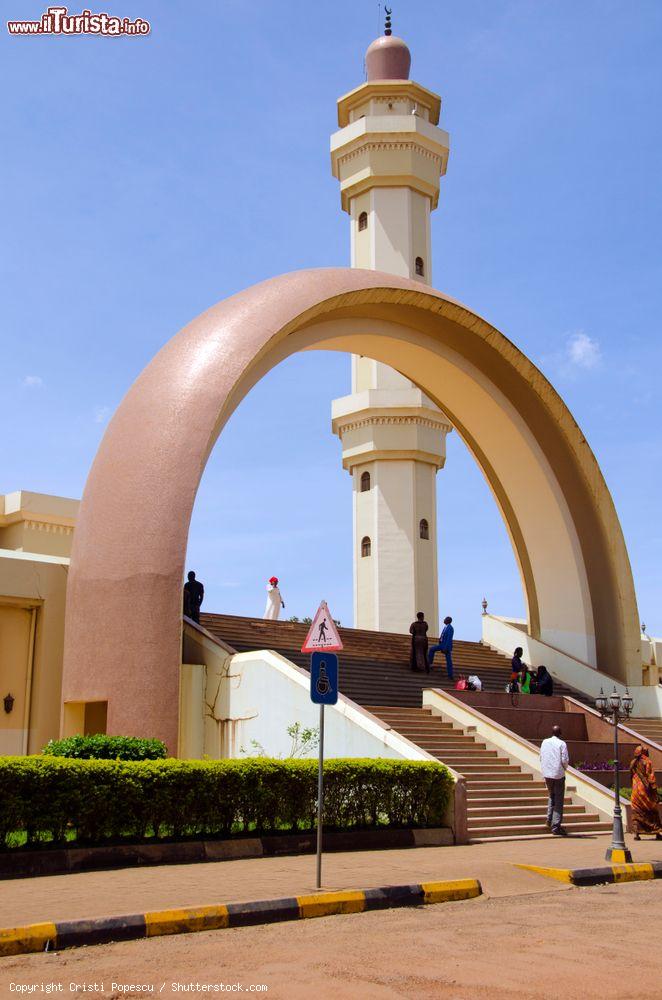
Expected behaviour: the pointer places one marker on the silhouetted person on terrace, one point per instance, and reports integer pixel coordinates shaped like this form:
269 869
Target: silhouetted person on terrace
445 646
418 658
194 593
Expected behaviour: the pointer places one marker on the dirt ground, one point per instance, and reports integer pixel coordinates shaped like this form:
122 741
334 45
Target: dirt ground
576 944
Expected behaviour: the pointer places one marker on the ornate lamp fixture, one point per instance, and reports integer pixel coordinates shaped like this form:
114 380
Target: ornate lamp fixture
615 708
484 605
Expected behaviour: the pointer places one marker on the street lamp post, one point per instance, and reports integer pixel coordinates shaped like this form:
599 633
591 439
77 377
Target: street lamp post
614 708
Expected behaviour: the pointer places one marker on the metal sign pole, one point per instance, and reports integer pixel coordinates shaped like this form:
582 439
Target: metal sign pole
320 799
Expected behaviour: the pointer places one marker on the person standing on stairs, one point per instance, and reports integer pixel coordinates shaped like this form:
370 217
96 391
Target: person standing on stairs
274 601
418 659
554 760
445 646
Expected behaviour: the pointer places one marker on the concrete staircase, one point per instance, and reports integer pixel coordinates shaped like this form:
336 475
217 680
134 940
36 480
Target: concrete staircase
504 802
374 666
651 729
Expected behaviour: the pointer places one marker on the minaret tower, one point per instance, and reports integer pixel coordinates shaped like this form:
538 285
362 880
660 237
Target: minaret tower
389 156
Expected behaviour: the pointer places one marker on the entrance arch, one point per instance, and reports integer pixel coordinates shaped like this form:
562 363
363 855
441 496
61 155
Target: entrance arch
123 621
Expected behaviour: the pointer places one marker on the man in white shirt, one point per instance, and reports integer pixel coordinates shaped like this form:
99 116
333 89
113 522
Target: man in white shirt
553 763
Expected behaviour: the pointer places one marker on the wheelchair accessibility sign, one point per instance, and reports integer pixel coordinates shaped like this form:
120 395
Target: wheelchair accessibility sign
324 678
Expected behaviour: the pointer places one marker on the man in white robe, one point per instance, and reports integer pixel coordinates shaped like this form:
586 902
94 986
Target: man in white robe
274 601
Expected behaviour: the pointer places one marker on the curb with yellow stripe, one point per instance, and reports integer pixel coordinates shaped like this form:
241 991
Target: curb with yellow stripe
74 933
599 876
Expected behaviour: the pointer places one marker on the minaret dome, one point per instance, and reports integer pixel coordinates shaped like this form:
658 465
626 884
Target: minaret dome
388 58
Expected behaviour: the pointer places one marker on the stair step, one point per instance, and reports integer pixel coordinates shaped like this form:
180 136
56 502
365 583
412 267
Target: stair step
468 754
535 827
494 766
506 808
514 819
512 779
517 795
443 739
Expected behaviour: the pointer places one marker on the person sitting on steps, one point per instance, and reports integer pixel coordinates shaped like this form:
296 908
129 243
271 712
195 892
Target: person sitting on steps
515 671
526 680
544 682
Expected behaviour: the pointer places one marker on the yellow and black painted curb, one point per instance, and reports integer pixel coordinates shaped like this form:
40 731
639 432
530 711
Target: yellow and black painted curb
636 872
101 930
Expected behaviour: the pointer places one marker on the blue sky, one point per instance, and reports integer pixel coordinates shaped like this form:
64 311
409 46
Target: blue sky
144 179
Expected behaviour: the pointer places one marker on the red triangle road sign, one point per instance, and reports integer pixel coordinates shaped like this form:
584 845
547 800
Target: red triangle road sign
323 633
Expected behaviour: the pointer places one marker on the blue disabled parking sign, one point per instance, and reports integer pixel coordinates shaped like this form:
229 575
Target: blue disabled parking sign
324 678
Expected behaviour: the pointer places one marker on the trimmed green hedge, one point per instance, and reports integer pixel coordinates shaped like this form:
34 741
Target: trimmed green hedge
101 747
92 801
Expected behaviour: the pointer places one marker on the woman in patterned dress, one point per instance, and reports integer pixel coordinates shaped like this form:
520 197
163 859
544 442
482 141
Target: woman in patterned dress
645 807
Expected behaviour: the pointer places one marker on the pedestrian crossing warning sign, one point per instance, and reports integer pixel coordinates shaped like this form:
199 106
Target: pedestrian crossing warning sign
323 633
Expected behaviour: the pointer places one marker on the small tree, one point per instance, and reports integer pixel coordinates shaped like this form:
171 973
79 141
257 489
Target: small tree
305 741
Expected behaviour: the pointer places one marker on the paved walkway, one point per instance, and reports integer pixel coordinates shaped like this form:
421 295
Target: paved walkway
135 890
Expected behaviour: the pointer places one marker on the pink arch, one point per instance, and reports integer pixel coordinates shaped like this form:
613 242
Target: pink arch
123 622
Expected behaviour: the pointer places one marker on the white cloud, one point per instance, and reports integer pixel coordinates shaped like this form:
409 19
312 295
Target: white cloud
101 414
583 351
32 381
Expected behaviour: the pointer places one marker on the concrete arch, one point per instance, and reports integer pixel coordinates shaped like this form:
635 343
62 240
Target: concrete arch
123 626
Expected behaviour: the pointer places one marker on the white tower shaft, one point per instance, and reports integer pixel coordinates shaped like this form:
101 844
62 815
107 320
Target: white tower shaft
388 157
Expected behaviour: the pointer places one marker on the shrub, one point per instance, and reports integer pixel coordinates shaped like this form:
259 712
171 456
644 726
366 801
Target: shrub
48 798
102 747
595 765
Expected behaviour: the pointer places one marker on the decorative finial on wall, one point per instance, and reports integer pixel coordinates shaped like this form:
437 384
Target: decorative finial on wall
484 605
387 25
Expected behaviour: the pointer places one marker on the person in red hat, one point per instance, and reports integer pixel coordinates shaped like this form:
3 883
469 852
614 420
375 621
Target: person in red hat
274 601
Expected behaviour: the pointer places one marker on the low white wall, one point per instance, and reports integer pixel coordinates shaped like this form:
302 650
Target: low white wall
503 635
192 681
258 695
269 693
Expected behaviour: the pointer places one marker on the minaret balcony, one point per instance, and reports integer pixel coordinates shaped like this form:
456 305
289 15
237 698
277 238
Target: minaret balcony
369 431
389 151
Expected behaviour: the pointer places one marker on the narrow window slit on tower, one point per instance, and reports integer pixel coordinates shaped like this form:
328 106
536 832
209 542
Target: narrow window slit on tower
420 266
424 529
363 221
366 546
365 482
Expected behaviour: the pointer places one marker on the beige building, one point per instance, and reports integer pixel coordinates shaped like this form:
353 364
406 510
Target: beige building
389 156
36 532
